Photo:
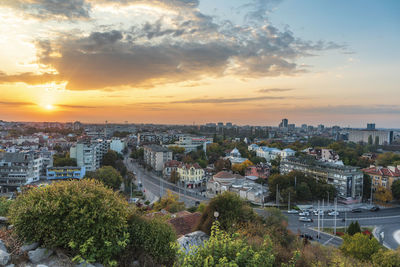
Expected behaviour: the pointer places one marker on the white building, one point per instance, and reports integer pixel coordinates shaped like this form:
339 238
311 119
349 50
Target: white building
17 169
191 143
191 175
383 137
89 154
117 145
271 153
235 157
156 156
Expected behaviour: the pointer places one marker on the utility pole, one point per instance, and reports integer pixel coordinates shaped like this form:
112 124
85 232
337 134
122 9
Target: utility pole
370 199
334 231
288 206
318 212
328 199
323 207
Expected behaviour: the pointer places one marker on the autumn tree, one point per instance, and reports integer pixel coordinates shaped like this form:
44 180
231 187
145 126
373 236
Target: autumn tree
174 178
396 189
169 202
383 195
360 246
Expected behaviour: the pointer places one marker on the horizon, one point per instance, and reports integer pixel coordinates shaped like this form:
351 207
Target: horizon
176 62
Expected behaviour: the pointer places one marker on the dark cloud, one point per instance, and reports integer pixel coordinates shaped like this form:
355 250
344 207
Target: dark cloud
225 100
28 77
274 90
188 46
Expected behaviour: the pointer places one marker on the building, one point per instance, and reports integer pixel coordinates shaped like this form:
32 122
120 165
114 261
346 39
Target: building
191 143
169 167
284 123
77 126
63 173
89 154
348 180
156 156
192 175
324 154
261 170
382 176
117 145
370 126
380 137
235 157
271 153
246 189
18 169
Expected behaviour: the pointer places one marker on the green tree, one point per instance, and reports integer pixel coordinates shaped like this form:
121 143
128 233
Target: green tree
232 211
376 140
108 176
223 249
360 246
177 149
169 202
396 189
354 228
388 158
137 153
367 186
370 140
82 217
63 162
174 177
110 159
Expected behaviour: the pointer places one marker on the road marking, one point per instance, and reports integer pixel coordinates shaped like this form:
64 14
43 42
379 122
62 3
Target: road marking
329 240
365 218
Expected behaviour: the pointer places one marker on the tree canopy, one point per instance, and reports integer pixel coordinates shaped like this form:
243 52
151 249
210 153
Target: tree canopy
108 176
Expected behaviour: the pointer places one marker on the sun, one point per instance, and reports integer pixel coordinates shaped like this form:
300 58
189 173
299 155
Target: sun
49 107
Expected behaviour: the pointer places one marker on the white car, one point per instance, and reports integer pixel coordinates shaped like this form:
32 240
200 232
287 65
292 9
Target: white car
304 213
333 213
321 212
305 219
292 211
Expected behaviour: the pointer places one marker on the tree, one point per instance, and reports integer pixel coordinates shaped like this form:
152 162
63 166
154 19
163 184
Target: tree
137 153
383 195
222 164
396 189
354 228
174 177
63 162
367 186
108 176
177 149
223 249
110 159
376 140
388 158
360 246
370 140
240 168
232 211
170 203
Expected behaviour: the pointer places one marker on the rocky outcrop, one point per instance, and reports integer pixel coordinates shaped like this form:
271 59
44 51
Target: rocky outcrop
39 254
193 239
29 247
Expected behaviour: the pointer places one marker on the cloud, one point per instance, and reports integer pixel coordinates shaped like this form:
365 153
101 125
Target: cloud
225 100
274 90
16 103
349 109
76 106
181 46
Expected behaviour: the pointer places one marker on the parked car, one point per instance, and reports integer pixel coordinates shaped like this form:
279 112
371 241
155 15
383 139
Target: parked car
321 212
333 213
292 211
356 210
305 219
375 208
304 213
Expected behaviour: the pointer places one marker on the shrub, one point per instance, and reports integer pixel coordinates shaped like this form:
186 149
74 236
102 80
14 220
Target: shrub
4 206
354 228
82 216
152 237
360 246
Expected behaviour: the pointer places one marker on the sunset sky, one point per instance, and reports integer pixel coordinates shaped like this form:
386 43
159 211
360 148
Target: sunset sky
183 61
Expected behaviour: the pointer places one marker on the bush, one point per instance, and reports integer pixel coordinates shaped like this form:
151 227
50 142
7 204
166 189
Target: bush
152 237
4 206
83 217
354 228
360 246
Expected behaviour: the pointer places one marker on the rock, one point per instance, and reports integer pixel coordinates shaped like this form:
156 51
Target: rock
136 263
3 246
11 265
193 239
10 227
29 247
41 265
84 264
4 257
39 254
3 220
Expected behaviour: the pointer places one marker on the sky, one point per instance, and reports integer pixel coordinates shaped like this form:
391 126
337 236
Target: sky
250 62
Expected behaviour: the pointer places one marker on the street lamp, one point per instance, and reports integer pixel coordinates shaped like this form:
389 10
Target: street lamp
216 214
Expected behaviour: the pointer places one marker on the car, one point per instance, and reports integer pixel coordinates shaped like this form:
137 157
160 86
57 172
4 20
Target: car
304 213
321 212
292 211
333 213
356 210
305 219
375 208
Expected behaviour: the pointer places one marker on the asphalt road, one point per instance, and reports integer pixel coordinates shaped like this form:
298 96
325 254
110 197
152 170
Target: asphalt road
158 186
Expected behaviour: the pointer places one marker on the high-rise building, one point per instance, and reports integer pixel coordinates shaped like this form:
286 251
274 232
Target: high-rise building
284 123
371 126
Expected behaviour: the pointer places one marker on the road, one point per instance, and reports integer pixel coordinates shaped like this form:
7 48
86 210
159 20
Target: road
158 186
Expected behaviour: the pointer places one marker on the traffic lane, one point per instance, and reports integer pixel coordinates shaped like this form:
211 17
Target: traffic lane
389 230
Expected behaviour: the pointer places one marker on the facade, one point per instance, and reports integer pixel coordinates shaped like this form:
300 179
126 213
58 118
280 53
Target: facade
156 156
191 143
383 137
192 175
348 180
117 145
271 153
382 176
169 167
89 154
246 189
235 157
63 173
18 169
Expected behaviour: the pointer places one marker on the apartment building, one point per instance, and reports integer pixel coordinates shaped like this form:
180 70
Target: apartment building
89 154
191 175
156 156
64 173
383 176
348 180
18 169
191 143
382 137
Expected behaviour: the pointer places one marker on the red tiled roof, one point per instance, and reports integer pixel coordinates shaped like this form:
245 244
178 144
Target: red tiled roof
172 163
185 224
381 171
188 165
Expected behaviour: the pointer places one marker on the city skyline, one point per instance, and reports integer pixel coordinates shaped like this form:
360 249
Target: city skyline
185 61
